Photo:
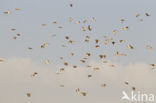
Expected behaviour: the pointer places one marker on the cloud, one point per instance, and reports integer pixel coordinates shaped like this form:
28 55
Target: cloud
16 81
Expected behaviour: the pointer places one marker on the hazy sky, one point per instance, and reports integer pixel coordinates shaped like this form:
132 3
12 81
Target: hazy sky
28 22
19 62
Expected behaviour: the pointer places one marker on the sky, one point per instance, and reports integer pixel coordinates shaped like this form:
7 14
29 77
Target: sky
20 62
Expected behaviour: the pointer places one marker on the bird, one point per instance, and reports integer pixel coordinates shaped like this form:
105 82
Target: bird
103 85
47 61
137 15
126 28
62 85
65 63
44 45
133 88
77 90
89 75
77 22
74 66
148 47
44 24
115 31
89 28
152 65
1 60
126 83
93 19
34 74
130 47
83 93
122 20
71 5
28 94
70 19
147 14
54 22
7 12
17 9
30 48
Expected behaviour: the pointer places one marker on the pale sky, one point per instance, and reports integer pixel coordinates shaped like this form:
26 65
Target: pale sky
19 62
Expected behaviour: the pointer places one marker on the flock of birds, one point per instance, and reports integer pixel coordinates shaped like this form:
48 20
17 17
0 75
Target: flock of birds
103 57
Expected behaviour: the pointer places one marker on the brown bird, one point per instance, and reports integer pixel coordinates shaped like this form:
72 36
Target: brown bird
29 48
74 66
83 61
7 12
83 93
137 15
43 24
88 54
14 37
47 61
17 9
130 47
1 60
34 74
115 31
44 45
13 29
18 34
133 88
71 5
103 85
148 47
70 19
93 19
122 20
152 65
126 83
89 28
97 68
62 69
62 85
54 22
28 94
65 63
66 37
125 28
89 76
77 90
147 14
